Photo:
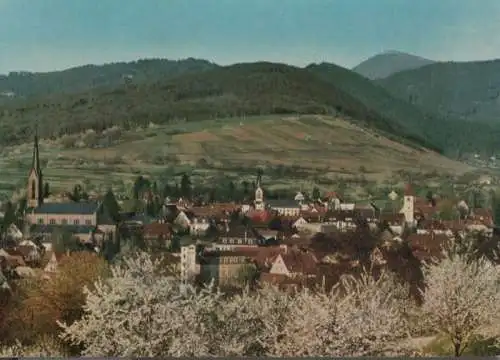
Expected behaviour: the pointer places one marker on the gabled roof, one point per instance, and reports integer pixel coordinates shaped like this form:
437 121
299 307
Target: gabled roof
81 208
298 261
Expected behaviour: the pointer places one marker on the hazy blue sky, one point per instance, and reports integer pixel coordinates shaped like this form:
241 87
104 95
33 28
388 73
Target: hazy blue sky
43 35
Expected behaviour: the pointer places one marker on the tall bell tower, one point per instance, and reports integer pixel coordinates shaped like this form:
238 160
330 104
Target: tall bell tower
35 178
259 196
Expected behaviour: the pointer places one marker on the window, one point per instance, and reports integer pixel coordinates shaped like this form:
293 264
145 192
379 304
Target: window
64 221
40 220
52 221
88 222
76 222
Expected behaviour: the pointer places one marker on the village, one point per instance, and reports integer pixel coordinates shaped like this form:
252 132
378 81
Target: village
301 241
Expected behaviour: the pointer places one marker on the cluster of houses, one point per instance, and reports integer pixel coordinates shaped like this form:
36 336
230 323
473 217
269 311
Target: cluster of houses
286 242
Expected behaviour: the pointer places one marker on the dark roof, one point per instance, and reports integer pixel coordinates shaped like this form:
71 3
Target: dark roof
83 208
73 229
140 217
283 203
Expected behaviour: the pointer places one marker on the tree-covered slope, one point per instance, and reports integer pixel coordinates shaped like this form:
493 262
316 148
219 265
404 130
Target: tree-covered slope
84 78
237 90
453 135
466 90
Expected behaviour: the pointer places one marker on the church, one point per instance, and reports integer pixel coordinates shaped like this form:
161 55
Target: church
84 220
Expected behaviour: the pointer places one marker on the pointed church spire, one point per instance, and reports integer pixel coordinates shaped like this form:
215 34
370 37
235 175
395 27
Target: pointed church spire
259 177
35 165
35 179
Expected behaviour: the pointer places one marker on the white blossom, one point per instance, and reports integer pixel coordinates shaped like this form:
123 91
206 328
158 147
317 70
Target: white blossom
45 348
141 312
461 298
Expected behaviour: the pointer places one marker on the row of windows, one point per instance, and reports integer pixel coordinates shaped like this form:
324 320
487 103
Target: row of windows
238 241
65 221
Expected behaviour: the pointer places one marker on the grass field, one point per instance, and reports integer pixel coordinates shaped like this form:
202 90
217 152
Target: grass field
319 145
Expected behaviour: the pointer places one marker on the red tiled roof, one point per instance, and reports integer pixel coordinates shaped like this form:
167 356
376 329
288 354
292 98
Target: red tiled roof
259 216
157 229
298 261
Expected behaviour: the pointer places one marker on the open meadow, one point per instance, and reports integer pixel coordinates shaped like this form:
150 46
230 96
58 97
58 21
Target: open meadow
312 148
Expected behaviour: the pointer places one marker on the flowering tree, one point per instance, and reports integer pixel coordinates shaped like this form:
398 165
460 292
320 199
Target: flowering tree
47 347
461 298
361 317
42 302
140 312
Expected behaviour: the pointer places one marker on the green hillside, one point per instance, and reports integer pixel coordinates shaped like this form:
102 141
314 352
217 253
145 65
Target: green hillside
166 92
237 90
453 135
467 90
84 78
383 65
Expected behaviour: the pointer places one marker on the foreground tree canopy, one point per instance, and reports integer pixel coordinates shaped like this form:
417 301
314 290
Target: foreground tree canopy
139 309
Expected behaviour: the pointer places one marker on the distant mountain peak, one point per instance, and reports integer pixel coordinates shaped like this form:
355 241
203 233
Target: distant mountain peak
389 62
393 52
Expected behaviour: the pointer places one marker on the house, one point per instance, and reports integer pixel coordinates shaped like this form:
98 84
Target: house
239 235
82 219
294 262
303 225
285 207
197 227
395 222
344 220
157 233
182 220
223 266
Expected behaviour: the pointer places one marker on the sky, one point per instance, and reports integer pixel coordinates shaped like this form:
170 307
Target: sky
46 35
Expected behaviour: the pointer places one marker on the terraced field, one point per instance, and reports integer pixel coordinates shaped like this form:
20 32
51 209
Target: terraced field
321 145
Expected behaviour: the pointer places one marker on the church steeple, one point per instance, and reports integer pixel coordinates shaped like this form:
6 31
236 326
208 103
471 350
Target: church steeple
35 165
259 194
35 178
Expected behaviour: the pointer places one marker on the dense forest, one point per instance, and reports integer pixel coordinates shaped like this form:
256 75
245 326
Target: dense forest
455 90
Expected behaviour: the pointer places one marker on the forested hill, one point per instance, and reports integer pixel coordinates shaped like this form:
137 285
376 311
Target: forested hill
84 78
236 90
451 134
207 91
456 90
